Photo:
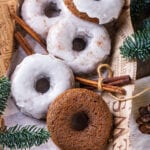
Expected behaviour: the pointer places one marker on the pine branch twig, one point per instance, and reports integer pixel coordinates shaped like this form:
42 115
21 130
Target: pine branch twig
137 46
18 137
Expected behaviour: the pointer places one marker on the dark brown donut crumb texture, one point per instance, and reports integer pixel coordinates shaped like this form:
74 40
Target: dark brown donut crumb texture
94 136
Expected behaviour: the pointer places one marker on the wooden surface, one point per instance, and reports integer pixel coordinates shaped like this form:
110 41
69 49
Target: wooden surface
6 34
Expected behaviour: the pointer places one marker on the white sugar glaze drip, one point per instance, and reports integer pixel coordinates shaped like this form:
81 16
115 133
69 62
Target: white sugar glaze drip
104 10
98 44
31 69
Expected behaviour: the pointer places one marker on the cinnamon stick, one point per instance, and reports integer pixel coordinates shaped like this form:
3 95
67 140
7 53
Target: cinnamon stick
109 88
33 34
123 80
87 87
113 89
120 82
87 81
119 78
24 43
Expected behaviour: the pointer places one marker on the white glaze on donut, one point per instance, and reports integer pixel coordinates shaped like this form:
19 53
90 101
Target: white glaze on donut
104 10
28 72
59 43
33 14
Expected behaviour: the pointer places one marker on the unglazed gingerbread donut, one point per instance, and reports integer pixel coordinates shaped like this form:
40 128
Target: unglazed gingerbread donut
37 81
98 11
82 45
79 119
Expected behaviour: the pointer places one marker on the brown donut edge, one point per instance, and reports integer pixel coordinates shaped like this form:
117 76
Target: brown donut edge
110 124
70 5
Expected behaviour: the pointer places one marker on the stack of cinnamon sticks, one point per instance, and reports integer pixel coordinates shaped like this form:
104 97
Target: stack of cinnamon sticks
109 84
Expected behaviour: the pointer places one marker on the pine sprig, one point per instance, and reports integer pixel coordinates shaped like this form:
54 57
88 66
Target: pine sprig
146 23
137 46
4 93
139 8
136 7
147 1
18 137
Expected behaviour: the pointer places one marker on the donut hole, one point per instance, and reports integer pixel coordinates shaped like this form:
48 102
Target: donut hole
51 10
42 85
79 44
79 121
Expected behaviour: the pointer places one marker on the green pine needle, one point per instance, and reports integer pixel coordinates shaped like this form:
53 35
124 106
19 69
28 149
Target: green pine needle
137 46
4 93
146 23
18 137
138 8
147 1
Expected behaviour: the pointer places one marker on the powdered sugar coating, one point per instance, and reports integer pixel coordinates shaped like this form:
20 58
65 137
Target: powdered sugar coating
28 72
104 10
33 13
59 43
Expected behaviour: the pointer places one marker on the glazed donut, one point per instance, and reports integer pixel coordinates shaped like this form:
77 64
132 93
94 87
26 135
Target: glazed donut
98 11
37 81
79 119
80 44
41 14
